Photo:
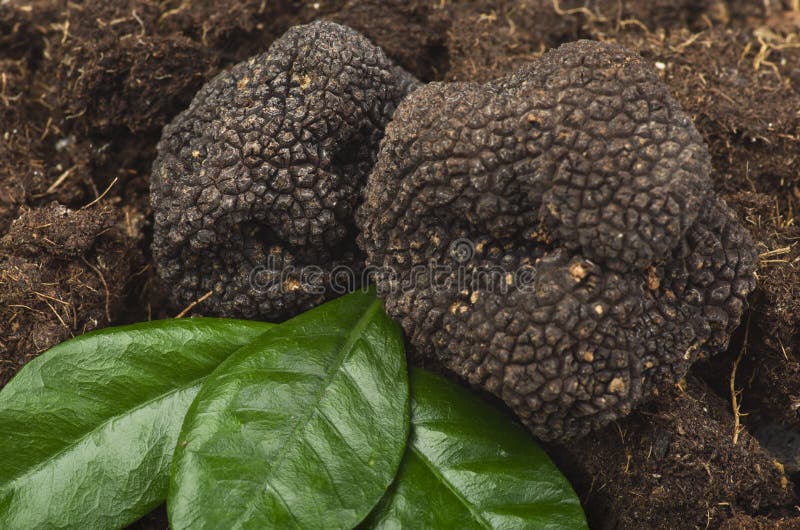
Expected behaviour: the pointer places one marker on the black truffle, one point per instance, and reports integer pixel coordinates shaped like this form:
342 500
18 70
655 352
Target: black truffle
551 236
256 183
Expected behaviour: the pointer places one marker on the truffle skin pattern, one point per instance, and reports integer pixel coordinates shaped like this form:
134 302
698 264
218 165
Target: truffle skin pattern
255 184
552 238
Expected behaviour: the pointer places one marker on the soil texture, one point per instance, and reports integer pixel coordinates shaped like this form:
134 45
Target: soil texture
86 87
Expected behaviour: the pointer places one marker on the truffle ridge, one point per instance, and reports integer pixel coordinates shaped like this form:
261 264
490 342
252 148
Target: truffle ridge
259 178
580 256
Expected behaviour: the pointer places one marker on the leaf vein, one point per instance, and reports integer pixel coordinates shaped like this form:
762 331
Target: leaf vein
77 441
351 337
450 487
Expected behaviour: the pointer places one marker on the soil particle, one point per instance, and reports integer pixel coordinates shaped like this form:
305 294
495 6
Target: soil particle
781 442
768 374
771 384
741 91
487 39
659 14
673 465
62 273
776 304
18 168
748 13
133 84
747 522
410 32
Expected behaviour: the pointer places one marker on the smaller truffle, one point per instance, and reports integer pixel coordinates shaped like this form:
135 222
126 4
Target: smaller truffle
255 184
552 236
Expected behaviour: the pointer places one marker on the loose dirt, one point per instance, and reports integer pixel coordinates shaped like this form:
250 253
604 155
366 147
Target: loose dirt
85 89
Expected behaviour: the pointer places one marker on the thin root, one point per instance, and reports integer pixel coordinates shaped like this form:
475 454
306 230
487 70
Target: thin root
735 403
190 306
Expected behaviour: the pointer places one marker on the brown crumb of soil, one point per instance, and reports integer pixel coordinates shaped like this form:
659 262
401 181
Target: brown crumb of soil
673 464
747 522
62 273
741 89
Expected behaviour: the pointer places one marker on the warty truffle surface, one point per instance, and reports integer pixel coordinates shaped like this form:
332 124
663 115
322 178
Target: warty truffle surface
255 184
552 236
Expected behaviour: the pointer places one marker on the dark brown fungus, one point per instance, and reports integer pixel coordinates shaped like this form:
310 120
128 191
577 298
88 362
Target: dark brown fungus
552 236
256 183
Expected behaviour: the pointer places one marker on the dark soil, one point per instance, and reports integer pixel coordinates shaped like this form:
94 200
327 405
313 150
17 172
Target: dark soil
85 88
62 272
673 464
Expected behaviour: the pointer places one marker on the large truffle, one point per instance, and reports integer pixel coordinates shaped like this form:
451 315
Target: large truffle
256 183
552 236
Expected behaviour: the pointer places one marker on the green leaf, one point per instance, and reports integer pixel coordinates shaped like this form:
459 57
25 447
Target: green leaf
470 465
87 429
305 427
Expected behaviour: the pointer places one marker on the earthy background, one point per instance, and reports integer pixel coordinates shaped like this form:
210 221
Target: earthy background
85 89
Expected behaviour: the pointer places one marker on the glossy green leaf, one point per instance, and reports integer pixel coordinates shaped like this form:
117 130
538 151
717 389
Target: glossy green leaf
305 427
87 429
470 465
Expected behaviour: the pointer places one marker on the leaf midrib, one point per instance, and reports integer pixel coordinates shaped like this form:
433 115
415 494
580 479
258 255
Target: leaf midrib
77 441
291 439
448 485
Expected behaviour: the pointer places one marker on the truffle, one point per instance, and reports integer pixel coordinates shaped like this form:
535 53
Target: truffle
255 184
552 236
